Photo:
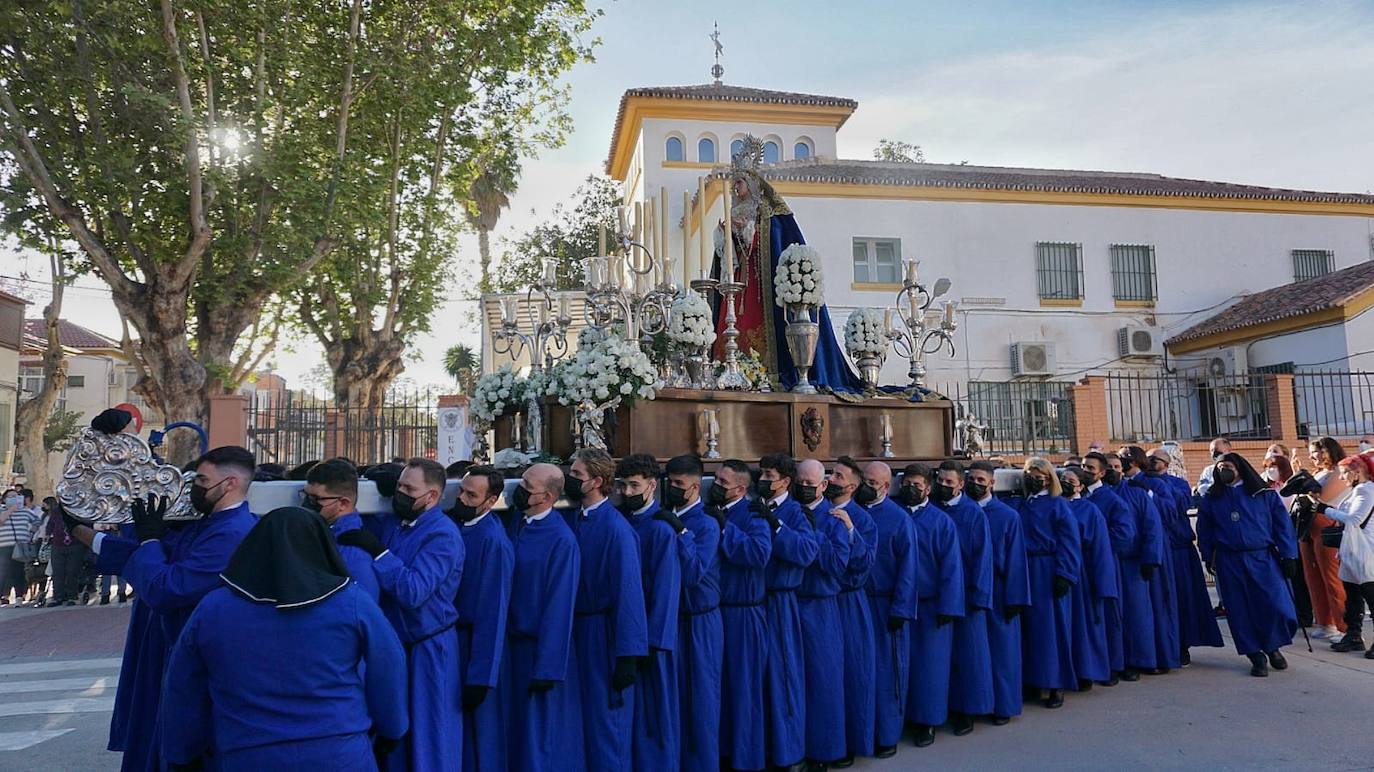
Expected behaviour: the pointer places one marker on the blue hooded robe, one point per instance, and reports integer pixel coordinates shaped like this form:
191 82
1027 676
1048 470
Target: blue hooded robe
1242 536
358 561
1053 550
1197 624
1162 593
1140 618
1010 587
1122 534
656 742
701 639
483 600
1096 587
891 590
543 729
970 690
940 592
795 545
859 644
746 545
822 642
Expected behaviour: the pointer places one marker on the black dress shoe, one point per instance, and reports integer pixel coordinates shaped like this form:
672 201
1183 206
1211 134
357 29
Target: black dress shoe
104 600
1348 644
1113 681
1369 654
1055 699
1130 674
1156 671
1000 720
960 723
885 751
844 763
1085 685
1277 660
812 766
924 735
1184 658
1259 666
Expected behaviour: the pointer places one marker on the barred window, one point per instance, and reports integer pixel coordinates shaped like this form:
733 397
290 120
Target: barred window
1133 272
1059 270
875 260
1311 263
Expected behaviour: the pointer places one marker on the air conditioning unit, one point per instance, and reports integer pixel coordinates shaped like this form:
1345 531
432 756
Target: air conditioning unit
1136 341
1032 358
1227 362
1231 403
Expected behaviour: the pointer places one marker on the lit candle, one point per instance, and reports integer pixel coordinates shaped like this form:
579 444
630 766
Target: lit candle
564 312
728 273
702 256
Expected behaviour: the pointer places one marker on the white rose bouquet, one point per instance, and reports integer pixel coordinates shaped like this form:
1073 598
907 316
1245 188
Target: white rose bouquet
798 278
689 322
610 368
865 333
495 392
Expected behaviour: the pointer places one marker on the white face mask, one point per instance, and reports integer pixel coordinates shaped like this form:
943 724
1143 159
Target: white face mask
1364 446
1272 474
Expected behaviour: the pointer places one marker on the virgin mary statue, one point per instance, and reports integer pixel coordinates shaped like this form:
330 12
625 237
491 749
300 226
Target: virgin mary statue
762 227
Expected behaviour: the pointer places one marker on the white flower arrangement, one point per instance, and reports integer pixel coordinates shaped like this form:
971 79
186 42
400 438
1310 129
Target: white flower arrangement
689 322
611 368
797 281
865 333
494 393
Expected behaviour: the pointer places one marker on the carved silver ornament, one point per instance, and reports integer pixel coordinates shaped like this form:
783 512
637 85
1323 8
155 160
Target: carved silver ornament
106 472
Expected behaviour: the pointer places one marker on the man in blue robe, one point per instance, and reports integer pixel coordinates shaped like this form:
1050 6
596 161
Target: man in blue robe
1054 560
1140 572
171 568
543 714
795 545
419 570
610 633
483 600
859 644
1197 623
1010 591
1096 587
331 489
1121 531
940 601
1162 600
970 692
701 636
891 591
746 545
822 643
663 538
1248 541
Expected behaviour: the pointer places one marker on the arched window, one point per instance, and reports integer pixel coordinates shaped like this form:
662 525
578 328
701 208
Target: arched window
736 147
771 152
802 150
706 150
673 150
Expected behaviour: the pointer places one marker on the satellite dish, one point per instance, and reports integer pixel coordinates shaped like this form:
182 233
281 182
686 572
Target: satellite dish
941 287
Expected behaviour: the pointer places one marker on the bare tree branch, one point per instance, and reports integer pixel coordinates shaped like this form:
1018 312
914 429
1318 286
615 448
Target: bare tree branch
200 226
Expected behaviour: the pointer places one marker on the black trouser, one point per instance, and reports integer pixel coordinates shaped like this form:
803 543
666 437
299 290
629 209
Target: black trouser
1356 596
66 571
11 575
1302 601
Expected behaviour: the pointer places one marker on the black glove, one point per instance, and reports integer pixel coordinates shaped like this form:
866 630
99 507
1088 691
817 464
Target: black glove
111 420
148 515
671 519
1320 506
718 514
473 696
624 674
1147 571
1289 566
363 540
647 661
760 509
382 747
70 522
1212 569
1011 612
943 619
1062 586
541 685
895 623
195 765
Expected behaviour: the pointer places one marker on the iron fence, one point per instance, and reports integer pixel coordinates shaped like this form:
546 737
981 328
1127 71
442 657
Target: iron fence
1334 403
289 429
1023 417
1154 408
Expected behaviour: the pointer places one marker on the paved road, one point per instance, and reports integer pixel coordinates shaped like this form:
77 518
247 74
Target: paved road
58 668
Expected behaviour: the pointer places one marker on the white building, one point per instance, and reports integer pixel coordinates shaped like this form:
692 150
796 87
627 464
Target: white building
1048 266
11 339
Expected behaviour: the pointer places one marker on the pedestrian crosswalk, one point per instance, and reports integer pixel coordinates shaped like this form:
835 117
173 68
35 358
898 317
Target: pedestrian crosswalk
47 699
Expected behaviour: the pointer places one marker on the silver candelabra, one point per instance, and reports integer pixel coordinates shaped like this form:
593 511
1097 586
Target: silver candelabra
621 291
732 377
547 339
915 335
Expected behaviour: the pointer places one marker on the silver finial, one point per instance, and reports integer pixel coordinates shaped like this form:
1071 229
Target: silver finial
716 70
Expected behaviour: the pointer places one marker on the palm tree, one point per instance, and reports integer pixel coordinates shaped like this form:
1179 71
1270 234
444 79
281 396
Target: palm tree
488 195
461 363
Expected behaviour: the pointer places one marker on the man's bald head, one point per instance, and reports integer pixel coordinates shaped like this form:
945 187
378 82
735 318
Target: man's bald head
878 475
1159 459
810 472
544 478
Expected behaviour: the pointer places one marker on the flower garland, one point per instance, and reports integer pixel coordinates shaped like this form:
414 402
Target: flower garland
689 322
798 277
865 333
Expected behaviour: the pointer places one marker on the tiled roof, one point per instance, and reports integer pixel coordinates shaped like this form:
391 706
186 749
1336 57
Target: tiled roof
854 172
71 334
1333 290
719 92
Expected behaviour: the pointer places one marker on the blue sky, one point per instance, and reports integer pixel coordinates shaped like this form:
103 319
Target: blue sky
1263 93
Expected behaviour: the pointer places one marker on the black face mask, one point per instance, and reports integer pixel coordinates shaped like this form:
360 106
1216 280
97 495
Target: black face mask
715 496
910 496
834 491
462 512
1223 476
200 497
1216 455
403 505
806 494
519 499
312 503
942 493
764 489
632 504
1033 485
865 495
674 497
572 489
1111 477
976 490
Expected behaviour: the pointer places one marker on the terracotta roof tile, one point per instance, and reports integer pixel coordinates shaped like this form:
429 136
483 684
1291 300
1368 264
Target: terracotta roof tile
1333 290
71 334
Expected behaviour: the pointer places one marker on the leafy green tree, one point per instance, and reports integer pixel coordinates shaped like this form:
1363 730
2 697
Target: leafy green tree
61 430
568 237
899 152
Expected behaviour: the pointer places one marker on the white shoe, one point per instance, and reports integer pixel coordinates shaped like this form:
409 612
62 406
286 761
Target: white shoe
1333 633
1320 633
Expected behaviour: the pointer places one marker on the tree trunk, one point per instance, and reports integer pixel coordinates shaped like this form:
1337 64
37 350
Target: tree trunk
32 417
484 250
362 373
